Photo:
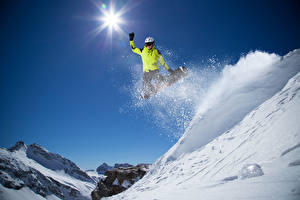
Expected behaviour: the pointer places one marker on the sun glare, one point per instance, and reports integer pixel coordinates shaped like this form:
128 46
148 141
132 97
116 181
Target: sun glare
112 20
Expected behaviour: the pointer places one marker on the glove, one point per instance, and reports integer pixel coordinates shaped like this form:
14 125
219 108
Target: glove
131 36
171 71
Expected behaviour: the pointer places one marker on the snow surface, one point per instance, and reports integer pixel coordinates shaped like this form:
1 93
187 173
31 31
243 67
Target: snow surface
248 116
95 175
116 182
240 89
126 184
22 194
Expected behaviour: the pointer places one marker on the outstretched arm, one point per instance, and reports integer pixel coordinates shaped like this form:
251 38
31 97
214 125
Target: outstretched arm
163 63
132 45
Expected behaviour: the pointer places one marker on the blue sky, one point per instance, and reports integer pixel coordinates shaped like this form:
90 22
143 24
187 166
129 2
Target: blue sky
61 87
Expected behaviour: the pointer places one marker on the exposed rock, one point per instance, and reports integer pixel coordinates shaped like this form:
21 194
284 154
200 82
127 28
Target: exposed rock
118 180
105 167
124 165
19 145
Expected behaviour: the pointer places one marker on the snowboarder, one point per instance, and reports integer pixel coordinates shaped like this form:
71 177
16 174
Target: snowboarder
150 58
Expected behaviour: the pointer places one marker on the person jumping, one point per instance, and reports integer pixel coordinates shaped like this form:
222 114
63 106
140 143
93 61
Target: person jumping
150 58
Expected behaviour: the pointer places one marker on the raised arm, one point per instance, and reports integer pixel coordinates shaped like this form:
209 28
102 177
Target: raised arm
132 45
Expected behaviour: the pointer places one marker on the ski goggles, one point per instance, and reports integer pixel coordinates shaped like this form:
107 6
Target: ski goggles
149 43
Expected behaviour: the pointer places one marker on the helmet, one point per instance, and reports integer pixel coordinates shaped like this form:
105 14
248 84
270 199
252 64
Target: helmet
149 40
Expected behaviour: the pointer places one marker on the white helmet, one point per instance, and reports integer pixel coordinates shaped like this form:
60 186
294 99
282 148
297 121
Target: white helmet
149 39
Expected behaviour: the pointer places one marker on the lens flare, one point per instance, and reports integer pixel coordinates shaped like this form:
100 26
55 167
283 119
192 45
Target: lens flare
112 20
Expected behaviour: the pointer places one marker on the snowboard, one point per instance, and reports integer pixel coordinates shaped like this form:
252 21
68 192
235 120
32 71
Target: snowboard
174 77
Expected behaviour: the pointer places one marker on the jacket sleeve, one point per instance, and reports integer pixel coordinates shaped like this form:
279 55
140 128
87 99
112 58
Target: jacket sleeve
134 49
162 61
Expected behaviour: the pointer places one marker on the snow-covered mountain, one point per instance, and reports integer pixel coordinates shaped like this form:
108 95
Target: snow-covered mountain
32 172
103 168
243 143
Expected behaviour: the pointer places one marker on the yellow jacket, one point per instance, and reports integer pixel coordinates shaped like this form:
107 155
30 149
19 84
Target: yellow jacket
150 57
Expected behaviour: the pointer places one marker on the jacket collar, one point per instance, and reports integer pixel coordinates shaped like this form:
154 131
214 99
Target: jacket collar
146 49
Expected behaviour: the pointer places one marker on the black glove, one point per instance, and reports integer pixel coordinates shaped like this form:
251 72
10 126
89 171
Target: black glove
131 36
171 70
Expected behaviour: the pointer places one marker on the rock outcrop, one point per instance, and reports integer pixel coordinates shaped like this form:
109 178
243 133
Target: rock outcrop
105 167
118 180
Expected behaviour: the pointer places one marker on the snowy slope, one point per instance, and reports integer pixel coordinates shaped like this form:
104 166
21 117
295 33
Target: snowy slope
262 129
34 173
95 175
241 88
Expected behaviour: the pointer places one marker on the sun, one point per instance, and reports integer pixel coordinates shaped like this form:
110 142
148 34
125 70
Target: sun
112 20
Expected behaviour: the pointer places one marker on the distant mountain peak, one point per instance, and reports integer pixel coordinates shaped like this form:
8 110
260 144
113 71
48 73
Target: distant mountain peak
20 145
103 168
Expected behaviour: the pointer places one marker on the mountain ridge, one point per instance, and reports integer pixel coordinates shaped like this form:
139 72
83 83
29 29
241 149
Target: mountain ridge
40 174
